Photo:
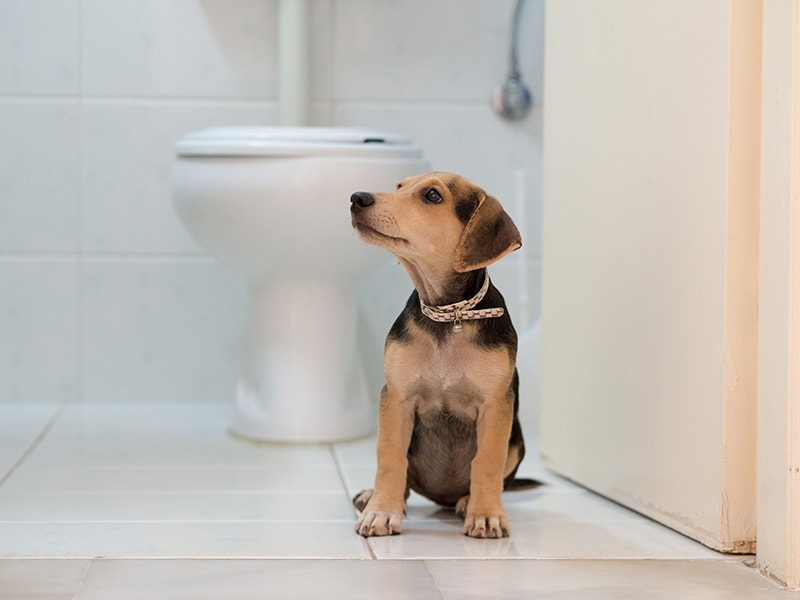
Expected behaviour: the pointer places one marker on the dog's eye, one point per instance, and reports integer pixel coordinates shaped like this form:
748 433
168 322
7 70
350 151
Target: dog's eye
432 196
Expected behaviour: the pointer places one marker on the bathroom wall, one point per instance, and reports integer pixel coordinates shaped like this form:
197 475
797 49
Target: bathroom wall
103 296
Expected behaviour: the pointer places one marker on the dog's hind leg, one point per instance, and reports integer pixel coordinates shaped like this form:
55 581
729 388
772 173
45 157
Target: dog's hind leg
361 499
461 506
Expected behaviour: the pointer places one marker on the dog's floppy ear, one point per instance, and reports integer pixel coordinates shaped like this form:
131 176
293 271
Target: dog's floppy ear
489 235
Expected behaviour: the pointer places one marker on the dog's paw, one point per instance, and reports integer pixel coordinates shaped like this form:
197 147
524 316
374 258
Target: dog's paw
486 526
491 523
379 522
361 499
480 524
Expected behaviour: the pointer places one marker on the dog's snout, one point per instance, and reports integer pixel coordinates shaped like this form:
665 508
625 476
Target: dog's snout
361 200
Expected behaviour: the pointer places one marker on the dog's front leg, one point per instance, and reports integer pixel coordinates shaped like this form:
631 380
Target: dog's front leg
383 514
483 513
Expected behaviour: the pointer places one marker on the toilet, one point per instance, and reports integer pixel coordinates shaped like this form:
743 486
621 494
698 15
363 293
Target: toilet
273 204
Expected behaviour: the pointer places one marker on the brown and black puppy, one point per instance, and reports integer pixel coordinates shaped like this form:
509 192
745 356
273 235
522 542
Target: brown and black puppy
447 422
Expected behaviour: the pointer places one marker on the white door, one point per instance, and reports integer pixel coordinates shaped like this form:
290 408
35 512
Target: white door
650 272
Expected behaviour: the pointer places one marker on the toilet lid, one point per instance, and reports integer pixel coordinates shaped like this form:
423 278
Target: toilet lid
295 141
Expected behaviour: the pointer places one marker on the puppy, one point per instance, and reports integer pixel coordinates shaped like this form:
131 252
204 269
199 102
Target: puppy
447 422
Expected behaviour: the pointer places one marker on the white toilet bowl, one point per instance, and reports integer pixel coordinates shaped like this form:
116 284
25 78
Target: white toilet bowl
273 204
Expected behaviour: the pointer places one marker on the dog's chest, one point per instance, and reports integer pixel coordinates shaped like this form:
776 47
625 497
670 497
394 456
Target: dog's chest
454 376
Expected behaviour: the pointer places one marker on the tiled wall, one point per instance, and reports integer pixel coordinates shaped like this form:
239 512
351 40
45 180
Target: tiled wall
103 296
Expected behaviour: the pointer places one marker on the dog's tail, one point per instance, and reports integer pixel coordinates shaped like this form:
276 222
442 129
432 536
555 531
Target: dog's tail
521 483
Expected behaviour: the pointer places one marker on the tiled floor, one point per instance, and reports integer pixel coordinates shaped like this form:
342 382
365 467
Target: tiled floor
151 502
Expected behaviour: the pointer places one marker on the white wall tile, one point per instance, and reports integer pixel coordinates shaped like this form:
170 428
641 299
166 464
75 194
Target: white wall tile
159 331
90 174
39 183
38 331
39 47
128 155
521 292
420 50
214 48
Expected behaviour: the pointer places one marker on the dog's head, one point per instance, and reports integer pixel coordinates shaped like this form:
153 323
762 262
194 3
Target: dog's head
436 215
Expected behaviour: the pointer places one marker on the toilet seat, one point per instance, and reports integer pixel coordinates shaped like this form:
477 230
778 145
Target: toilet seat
295 141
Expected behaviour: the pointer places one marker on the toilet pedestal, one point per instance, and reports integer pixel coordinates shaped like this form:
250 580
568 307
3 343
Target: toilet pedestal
303 379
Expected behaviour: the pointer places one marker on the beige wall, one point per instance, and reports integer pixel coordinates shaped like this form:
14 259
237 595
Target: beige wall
779 324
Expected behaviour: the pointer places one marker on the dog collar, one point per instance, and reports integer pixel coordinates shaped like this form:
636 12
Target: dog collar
462 311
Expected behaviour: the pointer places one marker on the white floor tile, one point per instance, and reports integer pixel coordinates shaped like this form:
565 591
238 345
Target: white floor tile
601 580
358 477
110 484
235 506
624 539
26 417
296 580
360 452
388 580
201 539
20 426
41 578
130 417
172 479
89 435
113 448
564 504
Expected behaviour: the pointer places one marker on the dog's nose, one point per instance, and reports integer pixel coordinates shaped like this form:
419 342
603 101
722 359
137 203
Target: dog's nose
361 200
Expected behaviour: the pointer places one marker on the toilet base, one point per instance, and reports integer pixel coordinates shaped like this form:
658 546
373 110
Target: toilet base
303 379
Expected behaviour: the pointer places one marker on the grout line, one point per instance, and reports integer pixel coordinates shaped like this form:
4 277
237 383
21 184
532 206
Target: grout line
85 573
167 493
155 100
743 559
179 101
169 521
39 257
433 578
107 257
343 479
80 271
372 554
35 444
340 473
